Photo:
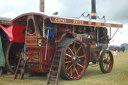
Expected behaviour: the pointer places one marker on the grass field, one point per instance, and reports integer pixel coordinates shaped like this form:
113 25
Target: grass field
93 75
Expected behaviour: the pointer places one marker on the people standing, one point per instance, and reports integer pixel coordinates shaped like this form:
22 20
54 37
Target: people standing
115 50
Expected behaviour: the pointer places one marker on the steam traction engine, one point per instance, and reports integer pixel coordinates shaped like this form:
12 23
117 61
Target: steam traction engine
63 46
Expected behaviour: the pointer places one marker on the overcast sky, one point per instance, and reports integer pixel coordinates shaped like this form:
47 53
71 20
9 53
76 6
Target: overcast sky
114 10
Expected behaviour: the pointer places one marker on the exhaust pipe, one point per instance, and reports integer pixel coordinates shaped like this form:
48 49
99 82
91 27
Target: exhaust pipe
41 5
93 13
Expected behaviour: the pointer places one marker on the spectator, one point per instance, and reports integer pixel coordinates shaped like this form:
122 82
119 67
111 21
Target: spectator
115 50
123 48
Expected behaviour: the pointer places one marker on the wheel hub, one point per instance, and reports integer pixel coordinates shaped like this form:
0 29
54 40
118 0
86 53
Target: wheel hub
75 60
107 61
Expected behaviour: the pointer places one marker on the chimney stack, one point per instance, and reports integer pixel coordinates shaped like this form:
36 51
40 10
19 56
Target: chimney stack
41 5
93 13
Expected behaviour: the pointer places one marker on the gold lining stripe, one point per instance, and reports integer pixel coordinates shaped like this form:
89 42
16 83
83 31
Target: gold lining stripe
85 23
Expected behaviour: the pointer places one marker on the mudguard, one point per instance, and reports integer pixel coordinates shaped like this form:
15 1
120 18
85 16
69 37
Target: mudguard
2 58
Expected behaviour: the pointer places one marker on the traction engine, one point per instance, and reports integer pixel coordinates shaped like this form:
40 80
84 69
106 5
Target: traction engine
63 46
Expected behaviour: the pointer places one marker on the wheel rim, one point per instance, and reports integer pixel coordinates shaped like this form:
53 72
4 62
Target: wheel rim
107 62
12 57
75 60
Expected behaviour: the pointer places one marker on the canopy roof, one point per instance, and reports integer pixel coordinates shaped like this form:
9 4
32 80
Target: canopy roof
71 21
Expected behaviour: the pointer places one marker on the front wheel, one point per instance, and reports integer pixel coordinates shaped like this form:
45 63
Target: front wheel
106 62
74 61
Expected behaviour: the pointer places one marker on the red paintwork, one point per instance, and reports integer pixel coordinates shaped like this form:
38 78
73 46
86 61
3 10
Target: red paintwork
32 40
33 47
31 13
15 33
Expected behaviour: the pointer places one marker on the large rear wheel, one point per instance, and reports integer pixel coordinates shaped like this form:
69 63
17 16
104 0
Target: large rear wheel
74 59
12 53
106 62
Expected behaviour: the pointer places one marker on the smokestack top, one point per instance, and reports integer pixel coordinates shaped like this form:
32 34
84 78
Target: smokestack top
93 12
41 5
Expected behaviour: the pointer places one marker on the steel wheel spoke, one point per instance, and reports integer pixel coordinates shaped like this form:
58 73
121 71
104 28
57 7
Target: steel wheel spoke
107 66
70 50
76 70
107 56
68 61
81 56
80 65
68 55
69 67
77 50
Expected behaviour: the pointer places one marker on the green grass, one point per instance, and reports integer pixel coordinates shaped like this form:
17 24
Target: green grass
92 76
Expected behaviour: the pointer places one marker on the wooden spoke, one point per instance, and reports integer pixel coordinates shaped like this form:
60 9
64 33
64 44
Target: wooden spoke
77 50
68 55
80 65
70 50
68 61
76 70
69 67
